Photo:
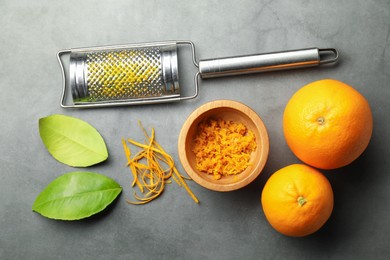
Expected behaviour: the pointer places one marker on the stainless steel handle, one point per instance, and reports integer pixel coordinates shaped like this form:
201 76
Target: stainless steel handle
239 65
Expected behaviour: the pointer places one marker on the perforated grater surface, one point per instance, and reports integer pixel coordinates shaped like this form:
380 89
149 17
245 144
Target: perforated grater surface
148 72
124 74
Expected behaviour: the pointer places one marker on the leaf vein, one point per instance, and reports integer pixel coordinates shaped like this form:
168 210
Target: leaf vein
74 141
73 196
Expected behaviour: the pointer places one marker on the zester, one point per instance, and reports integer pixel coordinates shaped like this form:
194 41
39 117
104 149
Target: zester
148 73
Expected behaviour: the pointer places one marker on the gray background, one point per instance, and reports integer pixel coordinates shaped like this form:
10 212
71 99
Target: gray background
225 225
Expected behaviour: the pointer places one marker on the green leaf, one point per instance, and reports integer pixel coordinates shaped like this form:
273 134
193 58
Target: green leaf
72 141
76 195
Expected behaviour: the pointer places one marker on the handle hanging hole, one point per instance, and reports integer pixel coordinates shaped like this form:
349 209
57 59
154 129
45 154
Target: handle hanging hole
329 55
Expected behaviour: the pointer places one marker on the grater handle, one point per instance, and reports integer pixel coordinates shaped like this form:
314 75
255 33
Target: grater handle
238 65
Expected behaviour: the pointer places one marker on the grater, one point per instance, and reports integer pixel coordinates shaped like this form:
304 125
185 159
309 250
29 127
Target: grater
148 73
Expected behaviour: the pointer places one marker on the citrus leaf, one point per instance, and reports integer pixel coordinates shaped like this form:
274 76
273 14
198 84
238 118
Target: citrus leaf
72 141
76 195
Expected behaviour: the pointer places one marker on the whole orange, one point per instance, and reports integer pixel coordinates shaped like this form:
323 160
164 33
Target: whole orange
327 124
297 200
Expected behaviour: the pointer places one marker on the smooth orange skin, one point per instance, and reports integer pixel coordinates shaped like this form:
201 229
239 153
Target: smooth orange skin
280 195
327 124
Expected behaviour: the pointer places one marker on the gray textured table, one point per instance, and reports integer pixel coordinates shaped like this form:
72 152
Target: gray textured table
225 225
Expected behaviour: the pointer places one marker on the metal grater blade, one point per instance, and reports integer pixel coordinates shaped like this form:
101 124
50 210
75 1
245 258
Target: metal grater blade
123 74
117 75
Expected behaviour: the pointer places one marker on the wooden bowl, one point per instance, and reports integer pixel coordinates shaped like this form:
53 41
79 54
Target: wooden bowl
226 110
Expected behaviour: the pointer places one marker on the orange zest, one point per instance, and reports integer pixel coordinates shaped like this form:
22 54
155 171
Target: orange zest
223 147
152 168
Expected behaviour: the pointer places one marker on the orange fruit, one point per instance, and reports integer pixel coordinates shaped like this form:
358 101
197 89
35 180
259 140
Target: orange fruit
327 124
297 200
